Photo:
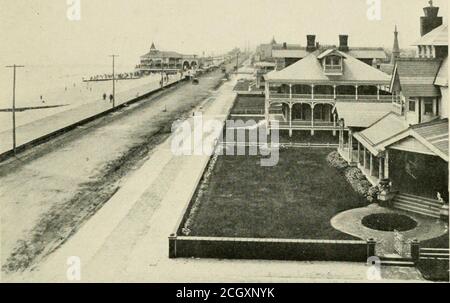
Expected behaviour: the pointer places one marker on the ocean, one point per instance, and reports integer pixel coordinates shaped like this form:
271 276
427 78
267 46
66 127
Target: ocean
61 87
34 81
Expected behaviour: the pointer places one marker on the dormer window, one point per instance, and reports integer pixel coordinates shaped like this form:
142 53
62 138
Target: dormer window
332 65
332 61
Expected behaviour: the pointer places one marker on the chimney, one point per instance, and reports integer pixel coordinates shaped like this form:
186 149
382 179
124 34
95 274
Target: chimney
343 43
284 45
431 20
311 43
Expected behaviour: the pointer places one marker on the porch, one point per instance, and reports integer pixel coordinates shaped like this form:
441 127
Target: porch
345 92
374 168
313 116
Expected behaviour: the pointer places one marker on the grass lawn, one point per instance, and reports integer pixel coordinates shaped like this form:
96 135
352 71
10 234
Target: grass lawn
249 104
294 199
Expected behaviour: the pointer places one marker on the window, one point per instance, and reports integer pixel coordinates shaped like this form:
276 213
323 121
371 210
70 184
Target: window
412 105
428 107
336 61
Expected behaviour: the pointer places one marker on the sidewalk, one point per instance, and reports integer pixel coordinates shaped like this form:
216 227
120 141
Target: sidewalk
39 128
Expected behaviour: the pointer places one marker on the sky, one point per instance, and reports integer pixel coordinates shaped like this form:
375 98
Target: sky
39 32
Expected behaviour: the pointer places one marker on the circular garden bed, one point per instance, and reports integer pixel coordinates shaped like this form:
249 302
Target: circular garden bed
389 222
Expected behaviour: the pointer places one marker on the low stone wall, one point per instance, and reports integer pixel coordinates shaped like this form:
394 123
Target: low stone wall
270 249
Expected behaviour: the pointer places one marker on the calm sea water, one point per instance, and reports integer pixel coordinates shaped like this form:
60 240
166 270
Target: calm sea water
33 81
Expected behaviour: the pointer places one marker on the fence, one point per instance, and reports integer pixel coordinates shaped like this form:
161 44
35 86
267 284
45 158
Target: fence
269 249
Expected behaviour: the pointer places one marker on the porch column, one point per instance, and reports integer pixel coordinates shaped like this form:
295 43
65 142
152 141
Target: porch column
266 107
341 138
312 119
356 92
378 92
334 124
312 91
350 146
380 168
386 164
290 119
371 165
365 158
334 91
359 153
290 91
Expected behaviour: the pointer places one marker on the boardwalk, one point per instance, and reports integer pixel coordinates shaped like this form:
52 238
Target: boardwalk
47 125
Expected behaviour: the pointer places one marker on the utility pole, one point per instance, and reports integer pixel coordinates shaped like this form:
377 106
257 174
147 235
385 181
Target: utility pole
14 104
237 61
114 79
162 71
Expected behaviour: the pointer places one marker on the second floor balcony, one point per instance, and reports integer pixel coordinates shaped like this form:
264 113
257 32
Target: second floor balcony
328 97
329 93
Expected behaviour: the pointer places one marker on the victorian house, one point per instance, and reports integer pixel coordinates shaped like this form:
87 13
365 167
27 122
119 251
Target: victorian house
310 90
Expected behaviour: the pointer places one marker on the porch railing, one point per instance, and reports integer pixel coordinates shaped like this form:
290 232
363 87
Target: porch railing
384 98
304 124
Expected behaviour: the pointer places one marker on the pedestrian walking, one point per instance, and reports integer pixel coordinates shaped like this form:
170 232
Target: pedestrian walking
111 97
104 96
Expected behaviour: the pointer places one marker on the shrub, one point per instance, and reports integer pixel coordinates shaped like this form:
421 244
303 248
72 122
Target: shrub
372 194
335 160
354 176
353 173
362 187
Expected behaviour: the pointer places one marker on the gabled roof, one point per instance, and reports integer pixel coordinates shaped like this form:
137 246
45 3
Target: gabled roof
376 135
330 52
417 76
411 144
309 70
392 130
289 46
160 54
442 76
437 37
367 53
435 134
387 68
289 53
361 114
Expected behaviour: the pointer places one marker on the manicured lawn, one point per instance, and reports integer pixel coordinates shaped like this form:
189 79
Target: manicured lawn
294 199
249 104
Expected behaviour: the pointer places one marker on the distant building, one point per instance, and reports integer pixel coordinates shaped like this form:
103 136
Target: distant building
156 61
286 54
